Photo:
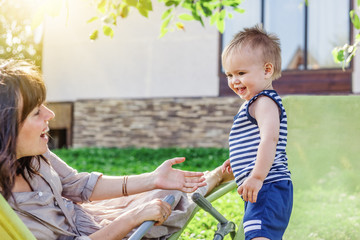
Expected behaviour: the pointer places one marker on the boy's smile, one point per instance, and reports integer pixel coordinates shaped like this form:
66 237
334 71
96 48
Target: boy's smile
247 73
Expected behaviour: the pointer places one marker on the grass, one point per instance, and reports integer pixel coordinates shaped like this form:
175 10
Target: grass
320 212
116 161
323 153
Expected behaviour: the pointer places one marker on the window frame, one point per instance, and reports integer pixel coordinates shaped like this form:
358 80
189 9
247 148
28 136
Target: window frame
307 81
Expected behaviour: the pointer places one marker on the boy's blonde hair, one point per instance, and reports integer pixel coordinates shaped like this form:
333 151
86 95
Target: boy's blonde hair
257 38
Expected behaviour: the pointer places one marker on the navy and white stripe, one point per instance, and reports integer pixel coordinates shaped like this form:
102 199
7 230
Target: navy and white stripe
252 225
244 140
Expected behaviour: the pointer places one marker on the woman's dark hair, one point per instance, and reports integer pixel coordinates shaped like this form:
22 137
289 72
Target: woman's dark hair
21 90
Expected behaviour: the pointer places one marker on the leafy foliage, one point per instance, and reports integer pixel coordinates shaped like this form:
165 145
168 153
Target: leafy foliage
215 10
344 54
17 37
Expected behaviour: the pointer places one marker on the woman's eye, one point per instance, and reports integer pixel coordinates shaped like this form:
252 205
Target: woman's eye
241 73
37 111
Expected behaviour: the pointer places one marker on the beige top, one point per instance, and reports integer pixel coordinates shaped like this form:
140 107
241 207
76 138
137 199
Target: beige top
42 203
52 205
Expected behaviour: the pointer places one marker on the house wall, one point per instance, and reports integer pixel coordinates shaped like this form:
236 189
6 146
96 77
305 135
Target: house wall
136 63
136 89
154 123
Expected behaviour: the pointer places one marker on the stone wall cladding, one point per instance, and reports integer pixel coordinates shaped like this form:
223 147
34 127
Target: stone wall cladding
154 123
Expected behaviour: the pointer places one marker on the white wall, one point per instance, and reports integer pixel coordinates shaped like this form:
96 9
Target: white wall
134 64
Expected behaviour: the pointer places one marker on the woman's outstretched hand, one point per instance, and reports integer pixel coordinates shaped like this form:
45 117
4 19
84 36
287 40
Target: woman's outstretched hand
166 177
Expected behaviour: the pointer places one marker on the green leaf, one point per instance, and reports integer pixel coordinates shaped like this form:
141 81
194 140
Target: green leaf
164 27
94 35
355 19
358 3
108 31
214 18
166 13
147 4
101 7
169 3
220 24
113 16
180 26
357 38
195 15
132 3
338 55
109 19
232 3
142 11
230 15
163 31
202 22
222 14
207 11
239 10
92 19
115 5
124 12
186 17
165 23
177 2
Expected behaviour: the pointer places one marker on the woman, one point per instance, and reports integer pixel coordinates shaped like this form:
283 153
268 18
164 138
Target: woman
53 199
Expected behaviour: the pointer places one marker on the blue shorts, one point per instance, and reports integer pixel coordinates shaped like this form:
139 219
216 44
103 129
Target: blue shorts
270 215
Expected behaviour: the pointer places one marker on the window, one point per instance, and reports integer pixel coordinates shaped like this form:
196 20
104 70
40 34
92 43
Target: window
307 33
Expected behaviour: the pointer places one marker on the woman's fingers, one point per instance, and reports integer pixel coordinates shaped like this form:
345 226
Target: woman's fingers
176 160
193 174
191 184
164 212
195 179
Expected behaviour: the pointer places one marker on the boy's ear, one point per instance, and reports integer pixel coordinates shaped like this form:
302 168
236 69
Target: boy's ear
268 70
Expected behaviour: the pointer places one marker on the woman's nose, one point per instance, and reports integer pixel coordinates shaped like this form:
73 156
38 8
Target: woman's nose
50 114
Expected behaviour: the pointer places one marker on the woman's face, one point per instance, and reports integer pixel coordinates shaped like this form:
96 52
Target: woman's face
32 139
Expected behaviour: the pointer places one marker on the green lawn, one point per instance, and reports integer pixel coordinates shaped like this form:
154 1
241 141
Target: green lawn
318 213
323 152
135 161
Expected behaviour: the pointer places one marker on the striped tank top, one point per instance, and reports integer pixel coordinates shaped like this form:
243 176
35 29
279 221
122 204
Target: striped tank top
244 140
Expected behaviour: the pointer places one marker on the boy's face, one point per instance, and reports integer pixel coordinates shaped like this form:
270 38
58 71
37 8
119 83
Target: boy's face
247 73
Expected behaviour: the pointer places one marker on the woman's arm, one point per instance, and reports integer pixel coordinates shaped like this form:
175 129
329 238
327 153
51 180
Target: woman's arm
164 177
155 210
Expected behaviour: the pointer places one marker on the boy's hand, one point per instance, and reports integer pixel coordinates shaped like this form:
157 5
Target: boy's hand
250 188
226 167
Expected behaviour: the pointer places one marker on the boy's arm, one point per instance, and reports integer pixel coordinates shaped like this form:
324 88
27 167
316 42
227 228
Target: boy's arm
266 113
